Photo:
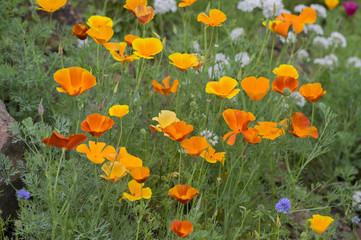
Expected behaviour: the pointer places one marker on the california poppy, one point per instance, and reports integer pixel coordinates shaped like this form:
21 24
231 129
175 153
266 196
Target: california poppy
183 193
51 6
119 111
211 156
186 3
137 192
216 17
133 4
183 61
312 92
113 171
331 4
251 135
194 146
300 126
130 162
122 57
224 88
164 119
140 174
181 228
238 121
97 22
144 13
67 143
320 223
147 47
178 131
255 88
129 39
101 35
74 80
271 130
79 30
96 124
97 152
287 79
167 89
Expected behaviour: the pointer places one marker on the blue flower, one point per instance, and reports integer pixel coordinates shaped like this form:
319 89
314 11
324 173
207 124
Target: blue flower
283 205
23 194
355 220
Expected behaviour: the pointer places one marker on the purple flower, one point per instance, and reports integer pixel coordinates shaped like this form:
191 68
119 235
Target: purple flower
355 220
283 205
350 7
23 194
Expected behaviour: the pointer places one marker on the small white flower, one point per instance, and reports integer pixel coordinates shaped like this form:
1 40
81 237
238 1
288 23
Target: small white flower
164 6
291 38
268 7
249 5
320 10
313 28
221 58
321 41
196 46
82 43
357 199
299 8
236 33
337 39
298 99
328 61
356 62
210 137
303 55
219 70
243 58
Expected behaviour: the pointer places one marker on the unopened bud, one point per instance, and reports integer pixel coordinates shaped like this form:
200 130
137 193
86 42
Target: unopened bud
156 35
164 41
143 132
116 88
60 50
41 108
287 92
278 222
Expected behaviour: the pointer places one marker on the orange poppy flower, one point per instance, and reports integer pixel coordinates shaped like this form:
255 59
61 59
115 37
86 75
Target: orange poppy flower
251 135
238 121
183 61
119 111
74 80
133 4
271 130
147 47
300 126
255 88
67 143
178 130
167 89
113 171
312 92
287 78
97 152
140 174
79 30
331 4
97 22
137 192
183 193
129 39
211 156
130 162
123 58
216 17
224 88
181 228
144 13
186 3
320 223
101 35
51 6
96 124
194 146
164 119
283 22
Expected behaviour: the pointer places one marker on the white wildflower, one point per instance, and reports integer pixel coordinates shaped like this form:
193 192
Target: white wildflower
298 99
164 6
268 5
291 38
249 5
356 62
221 58
337 39
236 33
320 10
196 46
328 61
219 70
321 41
299 8
210 137
303 55
357 199
243 58
313 28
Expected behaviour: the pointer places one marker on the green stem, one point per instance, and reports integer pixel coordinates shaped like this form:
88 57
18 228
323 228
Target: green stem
47 35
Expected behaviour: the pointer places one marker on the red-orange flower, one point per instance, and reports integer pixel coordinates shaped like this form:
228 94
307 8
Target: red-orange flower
186 3
129 39
167 89
194 146
144 13
74 80
96 124
216 17
178 130
287 78
133 4
140 174
79 30
181 228
238 121
251 135
312 92
67 143
300 126
211 156
183 193
255 88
